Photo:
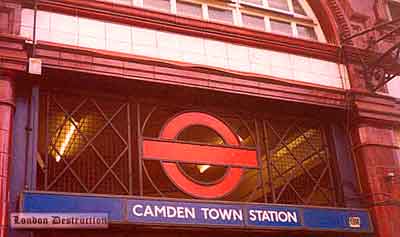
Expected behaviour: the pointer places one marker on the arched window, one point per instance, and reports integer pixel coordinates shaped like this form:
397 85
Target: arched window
293 18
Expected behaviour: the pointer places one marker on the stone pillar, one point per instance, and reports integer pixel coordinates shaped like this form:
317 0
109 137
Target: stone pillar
377 156
7 107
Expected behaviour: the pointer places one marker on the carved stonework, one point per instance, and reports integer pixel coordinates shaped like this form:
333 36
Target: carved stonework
340 17
356 12
381 11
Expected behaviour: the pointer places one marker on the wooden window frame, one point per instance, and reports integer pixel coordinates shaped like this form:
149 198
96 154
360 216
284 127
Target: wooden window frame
239 7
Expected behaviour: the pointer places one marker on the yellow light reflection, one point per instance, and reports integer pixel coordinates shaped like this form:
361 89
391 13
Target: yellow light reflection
203 168
284 164
70 127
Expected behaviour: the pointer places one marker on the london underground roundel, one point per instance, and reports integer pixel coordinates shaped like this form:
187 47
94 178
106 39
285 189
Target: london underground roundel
170 152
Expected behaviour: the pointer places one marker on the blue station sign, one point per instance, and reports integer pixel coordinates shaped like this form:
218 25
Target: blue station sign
135 210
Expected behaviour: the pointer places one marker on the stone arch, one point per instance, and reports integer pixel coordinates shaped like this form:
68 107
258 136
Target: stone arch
332 19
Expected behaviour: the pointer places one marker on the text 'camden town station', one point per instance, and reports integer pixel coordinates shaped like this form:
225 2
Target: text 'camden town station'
225 214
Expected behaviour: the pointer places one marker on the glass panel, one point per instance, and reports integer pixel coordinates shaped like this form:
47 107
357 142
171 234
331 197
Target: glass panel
255 22
279 4
188 9
124 2
394 10
298 8
281 27
298 163
220 14
162 5
306 32
256 2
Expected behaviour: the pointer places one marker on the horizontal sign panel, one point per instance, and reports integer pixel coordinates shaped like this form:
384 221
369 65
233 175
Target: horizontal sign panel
58 203
133 210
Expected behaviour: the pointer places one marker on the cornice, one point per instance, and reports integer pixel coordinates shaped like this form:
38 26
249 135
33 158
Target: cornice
58 56
13 54
376 109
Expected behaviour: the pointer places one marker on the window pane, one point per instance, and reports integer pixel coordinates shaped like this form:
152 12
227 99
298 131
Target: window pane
188 9
306 32
124 2
162 5
255 22
281 27
220 14
397 134
257 2
394 10
279 4
298 8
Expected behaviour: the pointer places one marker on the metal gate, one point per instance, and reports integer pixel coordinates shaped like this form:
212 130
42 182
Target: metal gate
93 144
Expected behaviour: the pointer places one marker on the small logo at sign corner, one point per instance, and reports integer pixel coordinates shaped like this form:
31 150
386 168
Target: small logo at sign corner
355 222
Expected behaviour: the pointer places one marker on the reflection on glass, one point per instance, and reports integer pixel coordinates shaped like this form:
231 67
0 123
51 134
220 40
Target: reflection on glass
279 4
298 8
162 5
256 2
188 9
306 32
255 22
220 14
281 27
124 2
70 129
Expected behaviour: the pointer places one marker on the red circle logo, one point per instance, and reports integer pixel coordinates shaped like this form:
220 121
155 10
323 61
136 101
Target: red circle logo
169 152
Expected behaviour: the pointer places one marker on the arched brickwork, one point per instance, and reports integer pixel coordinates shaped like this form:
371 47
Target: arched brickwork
328 16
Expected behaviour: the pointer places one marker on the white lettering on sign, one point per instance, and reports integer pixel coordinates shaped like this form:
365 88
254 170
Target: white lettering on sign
222 214
273 216
164 211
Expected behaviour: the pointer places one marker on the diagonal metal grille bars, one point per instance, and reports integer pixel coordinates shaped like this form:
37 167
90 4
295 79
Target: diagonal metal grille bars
88 145
300 168
92 144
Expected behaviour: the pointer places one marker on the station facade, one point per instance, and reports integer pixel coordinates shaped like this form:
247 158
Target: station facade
192 117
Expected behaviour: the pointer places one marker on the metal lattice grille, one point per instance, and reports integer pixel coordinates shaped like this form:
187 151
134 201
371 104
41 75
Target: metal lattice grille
91 145
88 143
300 170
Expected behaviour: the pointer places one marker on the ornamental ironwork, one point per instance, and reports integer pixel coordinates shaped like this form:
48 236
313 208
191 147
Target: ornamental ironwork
380 59
107 145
